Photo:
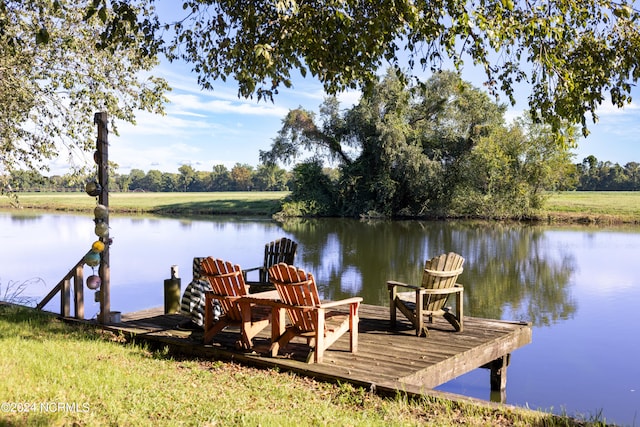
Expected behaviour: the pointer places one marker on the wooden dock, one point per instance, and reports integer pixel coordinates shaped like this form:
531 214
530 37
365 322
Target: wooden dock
388 361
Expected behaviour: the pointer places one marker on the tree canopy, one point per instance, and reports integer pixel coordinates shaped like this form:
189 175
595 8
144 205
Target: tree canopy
61 61
436 149
572 54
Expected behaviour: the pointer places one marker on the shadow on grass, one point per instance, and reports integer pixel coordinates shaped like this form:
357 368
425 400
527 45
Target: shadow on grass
222 207
29 323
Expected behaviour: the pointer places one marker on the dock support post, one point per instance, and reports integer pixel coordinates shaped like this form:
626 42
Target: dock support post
499 377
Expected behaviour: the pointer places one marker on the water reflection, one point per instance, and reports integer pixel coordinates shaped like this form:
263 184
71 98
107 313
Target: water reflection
508 268
580 287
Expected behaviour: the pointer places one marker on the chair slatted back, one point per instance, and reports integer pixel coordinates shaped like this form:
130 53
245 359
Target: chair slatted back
441 272
226 279
296 287
280 250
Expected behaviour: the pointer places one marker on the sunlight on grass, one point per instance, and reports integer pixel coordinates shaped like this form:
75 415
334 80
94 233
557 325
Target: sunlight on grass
61 374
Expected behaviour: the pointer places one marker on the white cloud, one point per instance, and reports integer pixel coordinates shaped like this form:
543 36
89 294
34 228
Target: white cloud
607 108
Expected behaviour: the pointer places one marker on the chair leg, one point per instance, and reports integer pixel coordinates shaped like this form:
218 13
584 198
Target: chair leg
456 319
211 331
250 330
453 320
320 338
278 327
354 320
418 320
459 308
393 293
208 317
283 340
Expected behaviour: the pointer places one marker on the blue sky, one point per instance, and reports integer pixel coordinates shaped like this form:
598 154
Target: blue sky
208 128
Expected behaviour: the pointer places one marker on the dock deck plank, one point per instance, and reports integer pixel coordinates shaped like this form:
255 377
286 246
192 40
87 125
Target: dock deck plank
392 359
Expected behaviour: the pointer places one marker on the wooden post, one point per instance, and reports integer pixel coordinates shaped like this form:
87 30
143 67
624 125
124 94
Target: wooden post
499 378
78 283
65 297
102 159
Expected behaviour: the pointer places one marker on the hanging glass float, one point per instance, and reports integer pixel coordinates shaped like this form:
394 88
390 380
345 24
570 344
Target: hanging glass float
92 259
97 246
93 188
101 212
94 282
102 229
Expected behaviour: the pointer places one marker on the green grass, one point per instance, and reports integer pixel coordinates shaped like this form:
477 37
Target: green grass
54 373
220 203
595 206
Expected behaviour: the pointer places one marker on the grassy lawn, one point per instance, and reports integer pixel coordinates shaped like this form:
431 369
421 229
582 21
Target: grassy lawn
595 206
55 373
241 202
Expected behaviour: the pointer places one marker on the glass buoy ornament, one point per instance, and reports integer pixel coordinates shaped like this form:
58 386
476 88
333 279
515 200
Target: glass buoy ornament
101 212
97 246
93 188
102 229
92 259
94 282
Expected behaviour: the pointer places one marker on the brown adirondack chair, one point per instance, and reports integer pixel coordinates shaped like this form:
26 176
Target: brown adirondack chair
280 250
438 282
227 284
310 318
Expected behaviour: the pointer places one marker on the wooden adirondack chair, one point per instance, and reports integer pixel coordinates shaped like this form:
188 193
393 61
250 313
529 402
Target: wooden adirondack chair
280 250
310 318
438 282
227 284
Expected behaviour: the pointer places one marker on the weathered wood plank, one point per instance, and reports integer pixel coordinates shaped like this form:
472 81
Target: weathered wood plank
388 359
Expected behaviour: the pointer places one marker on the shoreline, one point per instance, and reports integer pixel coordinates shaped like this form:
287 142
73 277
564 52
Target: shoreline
586 208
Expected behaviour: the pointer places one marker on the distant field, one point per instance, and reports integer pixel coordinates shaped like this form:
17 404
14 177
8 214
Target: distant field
598 206
220 203
592 207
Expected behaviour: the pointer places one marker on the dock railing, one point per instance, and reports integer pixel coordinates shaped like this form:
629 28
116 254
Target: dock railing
64 287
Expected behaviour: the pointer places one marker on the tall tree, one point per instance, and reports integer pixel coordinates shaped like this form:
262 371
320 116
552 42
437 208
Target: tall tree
220 178
56 71
136 179
241 175
270 178
187 177
417 151
152 181
507 172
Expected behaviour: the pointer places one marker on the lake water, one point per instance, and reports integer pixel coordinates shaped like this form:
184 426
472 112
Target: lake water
578 286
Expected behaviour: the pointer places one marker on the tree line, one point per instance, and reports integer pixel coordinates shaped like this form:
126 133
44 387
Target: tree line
589 175
241 177
595 175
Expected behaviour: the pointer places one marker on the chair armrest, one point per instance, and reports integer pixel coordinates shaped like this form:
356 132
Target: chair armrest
330 304
455 289
251 269
393 284
213 295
